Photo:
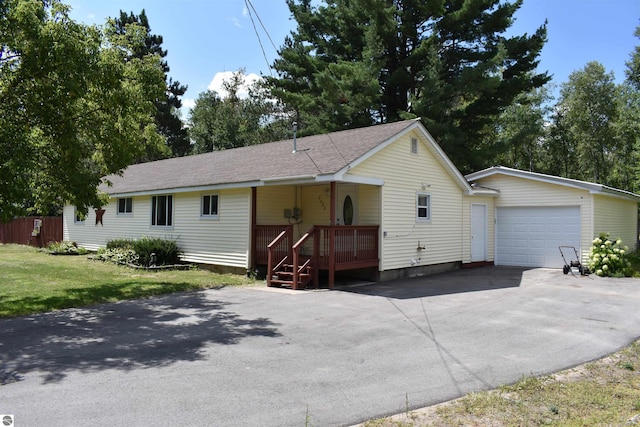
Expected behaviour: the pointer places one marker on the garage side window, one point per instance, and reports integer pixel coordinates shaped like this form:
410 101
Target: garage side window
209 206
162 211
423 207
125 205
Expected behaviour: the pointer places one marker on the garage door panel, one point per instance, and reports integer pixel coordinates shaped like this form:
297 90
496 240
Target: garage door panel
530 236
519 243
537 244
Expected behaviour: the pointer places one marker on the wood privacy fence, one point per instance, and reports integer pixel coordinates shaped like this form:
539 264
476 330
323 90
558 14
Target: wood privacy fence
21 231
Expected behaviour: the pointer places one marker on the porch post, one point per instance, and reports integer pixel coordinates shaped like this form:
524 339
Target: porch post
252 239
332 236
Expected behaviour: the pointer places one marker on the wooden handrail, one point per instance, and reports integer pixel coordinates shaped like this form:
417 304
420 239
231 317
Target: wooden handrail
296 256
271 247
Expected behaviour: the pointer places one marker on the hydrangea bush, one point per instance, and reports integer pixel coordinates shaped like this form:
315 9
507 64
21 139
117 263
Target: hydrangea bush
607 257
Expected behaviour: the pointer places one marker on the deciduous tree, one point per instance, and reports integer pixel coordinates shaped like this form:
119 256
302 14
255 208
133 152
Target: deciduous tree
75 106
588 102
229 120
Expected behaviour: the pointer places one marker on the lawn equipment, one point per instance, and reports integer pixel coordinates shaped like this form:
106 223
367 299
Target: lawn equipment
573 263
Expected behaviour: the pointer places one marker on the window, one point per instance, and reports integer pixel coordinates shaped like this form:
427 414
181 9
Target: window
78 217
210 206
162 211
125 205
423 207
414 146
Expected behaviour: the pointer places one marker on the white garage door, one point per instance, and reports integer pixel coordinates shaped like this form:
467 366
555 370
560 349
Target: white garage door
529 237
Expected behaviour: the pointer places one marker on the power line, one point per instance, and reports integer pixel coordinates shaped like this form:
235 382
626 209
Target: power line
250 7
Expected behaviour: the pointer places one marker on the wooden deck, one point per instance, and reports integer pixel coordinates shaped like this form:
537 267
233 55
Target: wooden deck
329 248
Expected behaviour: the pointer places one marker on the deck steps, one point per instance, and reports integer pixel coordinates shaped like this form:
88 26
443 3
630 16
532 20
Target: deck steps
284 277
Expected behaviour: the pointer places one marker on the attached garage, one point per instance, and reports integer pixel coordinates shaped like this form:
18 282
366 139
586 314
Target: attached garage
530 236
537 213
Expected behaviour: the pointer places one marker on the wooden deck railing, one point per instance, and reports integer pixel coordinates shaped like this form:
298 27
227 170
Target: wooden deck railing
265 234
333 248
347 247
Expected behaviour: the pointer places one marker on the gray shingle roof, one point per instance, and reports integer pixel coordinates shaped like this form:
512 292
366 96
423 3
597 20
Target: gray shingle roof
316 155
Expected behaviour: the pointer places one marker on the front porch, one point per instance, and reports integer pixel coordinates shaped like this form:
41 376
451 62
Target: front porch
323 248
294 255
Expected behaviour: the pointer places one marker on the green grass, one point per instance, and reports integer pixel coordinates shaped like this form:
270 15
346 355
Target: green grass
32 281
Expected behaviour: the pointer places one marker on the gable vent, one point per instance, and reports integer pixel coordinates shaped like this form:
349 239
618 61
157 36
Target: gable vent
414 146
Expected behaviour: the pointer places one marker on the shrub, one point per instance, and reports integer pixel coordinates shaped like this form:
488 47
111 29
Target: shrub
130 251
167 251
607 257
118 255
120 243
68 248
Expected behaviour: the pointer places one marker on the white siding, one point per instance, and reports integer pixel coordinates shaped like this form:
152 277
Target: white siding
223 241
618 217
405 174
93 236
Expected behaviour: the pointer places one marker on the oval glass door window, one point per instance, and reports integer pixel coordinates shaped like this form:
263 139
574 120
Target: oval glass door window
347 211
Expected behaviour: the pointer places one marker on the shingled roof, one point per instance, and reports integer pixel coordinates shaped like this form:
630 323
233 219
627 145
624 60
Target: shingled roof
315 156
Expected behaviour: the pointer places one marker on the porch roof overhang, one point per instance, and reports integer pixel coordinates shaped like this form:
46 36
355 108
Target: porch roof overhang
324 178
287 180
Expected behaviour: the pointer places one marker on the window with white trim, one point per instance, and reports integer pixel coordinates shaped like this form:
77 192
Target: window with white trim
162 211
209 208
423 207
125 205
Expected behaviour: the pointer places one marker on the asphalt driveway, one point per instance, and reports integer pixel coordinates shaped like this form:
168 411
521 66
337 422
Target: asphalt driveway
249 357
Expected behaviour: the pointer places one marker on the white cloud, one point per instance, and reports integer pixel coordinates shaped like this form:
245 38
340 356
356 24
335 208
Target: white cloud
221 77
235 21
188 103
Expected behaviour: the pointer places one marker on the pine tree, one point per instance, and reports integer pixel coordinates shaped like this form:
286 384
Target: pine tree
356 62
168 122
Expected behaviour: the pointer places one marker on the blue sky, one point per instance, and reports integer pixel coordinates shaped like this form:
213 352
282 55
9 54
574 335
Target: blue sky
208 37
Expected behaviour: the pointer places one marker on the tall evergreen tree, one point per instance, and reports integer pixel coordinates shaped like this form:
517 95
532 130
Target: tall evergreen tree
357 62
168 122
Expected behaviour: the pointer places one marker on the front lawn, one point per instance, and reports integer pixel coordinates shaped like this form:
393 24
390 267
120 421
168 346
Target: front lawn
32 281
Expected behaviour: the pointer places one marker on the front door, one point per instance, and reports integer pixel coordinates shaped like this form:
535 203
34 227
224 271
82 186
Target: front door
478 233
346 204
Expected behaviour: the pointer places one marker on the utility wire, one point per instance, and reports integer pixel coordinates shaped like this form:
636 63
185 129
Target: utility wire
262 25
249 6
337 149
